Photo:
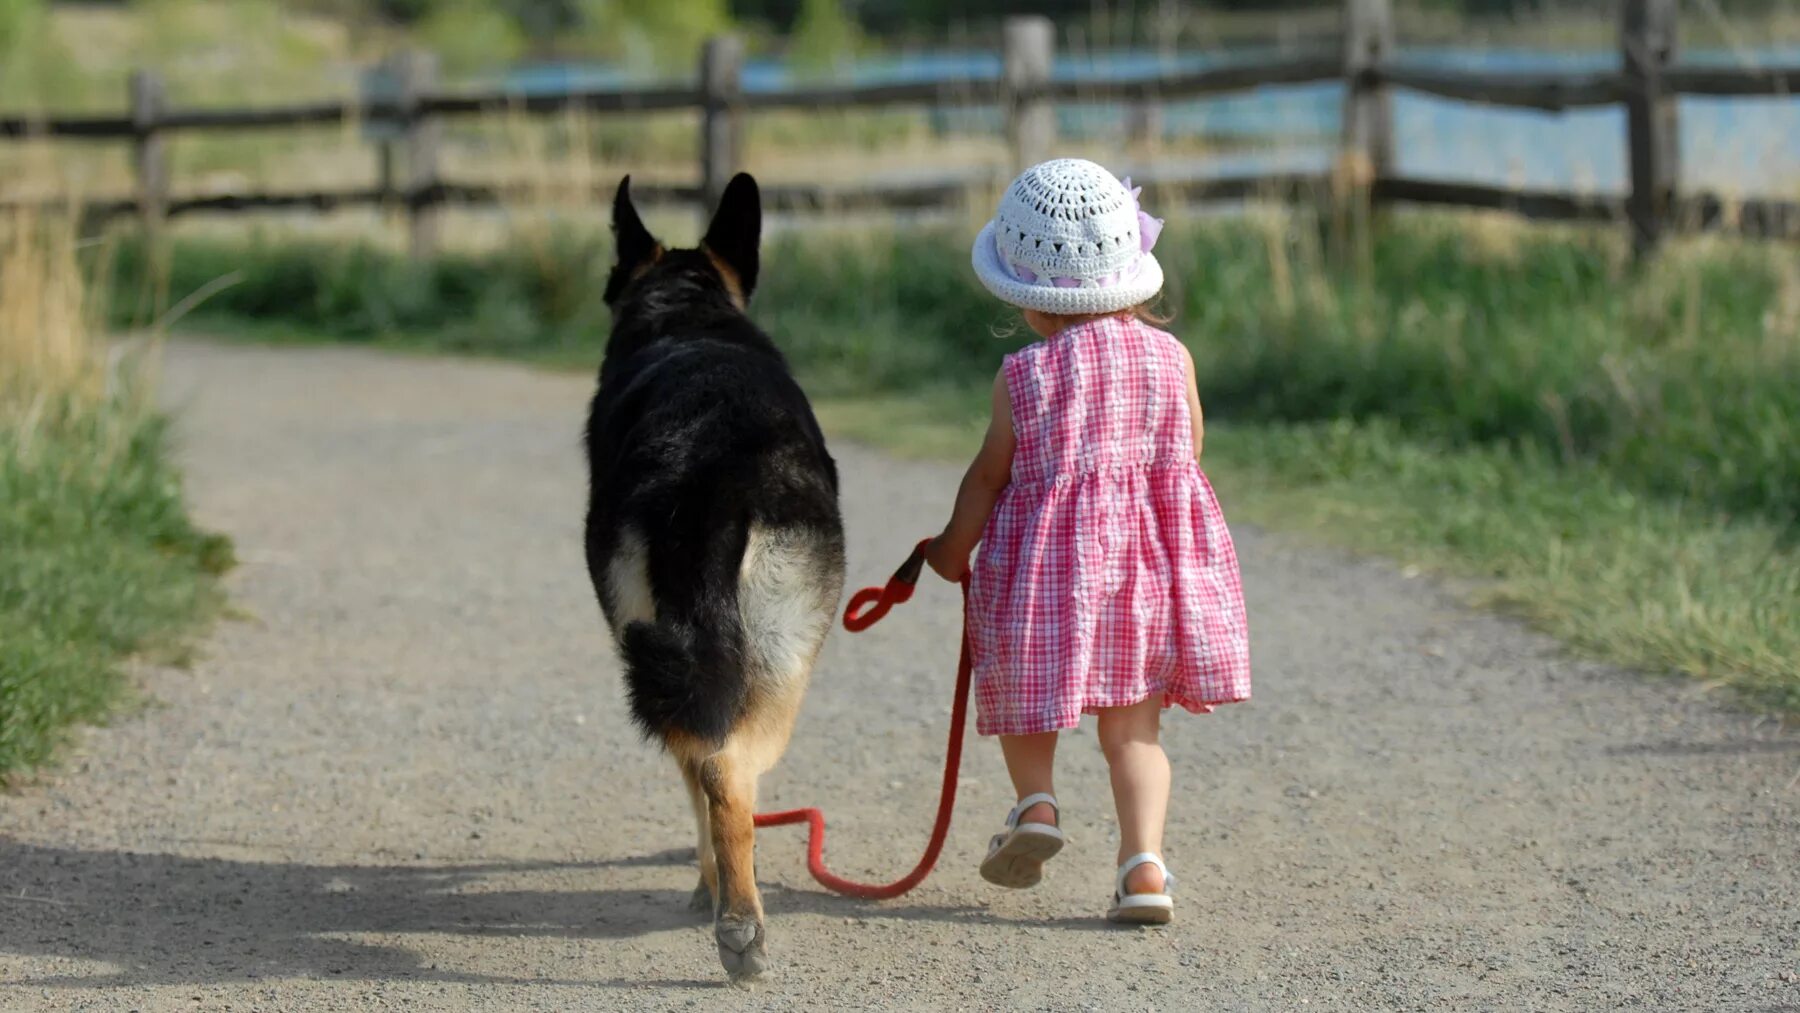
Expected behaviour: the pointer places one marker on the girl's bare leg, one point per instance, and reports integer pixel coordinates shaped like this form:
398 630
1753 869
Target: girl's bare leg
1031 760
1130 738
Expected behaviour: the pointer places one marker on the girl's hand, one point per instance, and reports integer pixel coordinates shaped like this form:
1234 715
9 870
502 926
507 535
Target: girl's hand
946 562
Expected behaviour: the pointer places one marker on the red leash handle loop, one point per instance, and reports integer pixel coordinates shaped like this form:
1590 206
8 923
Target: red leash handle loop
868 606
866 609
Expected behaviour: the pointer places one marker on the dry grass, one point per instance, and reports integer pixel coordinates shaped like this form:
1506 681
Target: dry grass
45 321
58 370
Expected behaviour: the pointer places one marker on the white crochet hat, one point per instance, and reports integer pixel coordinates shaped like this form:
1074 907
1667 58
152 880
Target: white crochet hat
1069 239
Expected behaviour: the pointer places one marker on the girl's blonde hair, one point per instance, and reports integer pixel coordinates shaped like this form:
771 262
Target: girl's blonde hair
1149 311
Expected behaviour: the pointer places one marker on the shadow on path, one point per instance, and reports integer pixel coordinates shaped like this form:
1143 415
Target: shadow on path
170 919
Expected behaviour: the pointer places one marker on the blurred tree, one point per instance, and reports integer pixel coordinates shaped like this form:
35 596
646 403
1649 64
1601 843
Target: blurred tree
18 19
1485 7
249 46
651 34
472 35
542 18
824 37
777 14
34 68
404 10
544 21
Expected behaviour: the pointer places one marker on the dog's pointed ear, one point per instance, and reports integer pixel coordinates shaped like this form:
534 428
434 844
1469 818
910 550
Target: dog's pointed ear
735 233
635 248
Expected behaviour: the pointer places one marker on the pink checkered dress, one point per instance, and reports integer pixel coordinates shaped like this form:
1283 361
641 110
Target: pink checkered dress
1106 573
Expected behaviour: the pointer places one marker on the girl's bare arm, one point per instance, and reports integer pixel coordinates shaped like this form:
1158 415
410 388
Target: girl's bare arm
1193 397
988 474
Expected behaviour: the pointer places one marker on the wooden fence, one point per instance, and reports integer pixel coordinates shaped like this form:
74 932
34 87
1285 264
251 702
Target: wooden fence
1647 85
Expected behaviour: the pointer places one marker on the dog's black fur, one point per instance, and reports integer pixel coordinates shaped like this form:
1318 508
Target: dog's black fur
697 434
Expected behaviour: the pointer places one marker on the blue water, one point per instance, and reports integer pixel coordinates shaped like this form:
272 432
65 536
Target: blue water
1742 146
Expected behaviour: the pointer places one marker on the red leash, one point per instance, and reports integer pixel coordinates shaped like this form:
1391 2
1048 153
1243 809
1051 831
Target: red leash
866 609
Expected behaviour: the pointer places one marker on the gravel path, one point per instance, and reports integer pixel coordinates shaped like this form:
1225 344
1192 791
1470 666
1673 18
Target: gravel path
403 778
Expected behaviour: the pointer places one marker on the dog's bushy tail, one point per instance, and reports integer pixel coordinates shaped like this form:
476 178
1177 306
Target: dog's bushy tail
686 673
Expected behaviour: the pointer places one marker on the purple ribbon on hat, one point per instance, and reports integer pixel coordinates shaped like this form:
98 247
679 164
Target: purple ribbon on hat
1148 228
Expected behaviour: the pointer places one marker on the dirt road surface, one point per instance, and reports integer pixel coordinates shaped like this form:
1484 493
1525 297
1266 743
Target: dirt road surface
403 777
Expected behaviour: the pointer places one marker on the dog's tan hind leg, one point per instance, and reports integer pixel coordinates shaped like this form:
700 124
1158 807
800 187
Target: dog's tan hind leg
706 893
730 787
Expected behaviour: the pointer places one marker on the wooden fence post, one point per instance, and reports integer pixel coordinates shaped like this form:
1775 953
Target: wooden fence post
1368 120
1144 123
150 155
721 88
381 84
384 176
1367 155
1647 40
1028 51
417 72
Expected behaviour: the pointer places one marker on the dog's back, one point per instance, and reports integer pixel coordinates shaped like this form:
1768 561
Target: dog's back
714 538
713 535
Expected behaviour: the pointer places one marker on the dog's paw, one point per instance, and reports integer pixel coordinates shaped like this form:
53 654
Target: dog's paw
741 947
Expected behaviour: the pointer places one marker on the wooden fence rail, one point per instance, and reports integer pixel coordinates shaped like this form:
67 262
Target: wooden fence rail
1548 92
1647 85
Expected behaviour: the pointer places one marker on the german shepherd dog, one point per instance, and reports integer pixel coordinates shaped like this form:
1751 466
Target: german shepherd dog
714 539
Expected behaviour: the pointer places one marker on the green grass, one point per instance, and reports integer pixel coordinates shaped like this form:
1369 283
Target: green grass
1616 449
1637 580
98 561
101 564
534 300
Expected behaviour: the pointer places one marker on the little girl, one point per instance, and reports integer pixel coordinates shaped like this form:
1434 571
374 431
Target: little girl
1107 583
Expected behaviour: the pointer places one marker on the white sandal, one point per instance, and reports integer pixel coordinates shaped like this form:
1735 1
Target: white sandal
1016 858
1142 908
